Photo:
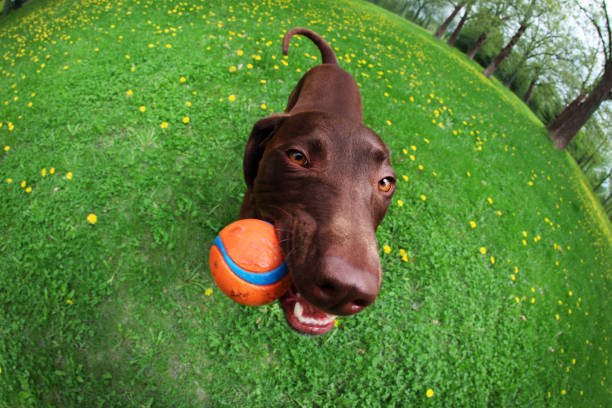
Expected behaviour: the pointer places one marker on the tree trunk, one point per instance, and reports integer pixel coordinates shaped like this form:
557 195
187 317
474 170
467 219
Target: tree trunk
602 181
479 42
587 157
7 7
512 77
446 22
571 119
585 162
453 38
529 93
417 16
505 51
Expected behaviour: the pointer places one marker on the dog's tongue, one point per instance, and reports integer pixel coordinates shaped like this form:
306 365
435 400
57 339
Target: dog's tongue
303 316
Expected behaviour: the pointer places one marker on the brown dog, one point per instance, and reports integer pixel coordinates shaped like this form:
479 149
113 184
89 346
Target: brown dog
325 181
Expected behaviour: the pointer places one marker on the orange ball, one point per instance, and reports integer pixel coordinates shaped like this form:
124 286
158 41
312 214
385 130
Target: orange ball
247 263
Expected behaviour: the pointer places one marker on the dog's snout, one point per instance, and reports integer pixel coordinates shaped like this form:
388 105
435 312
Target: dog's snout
343 288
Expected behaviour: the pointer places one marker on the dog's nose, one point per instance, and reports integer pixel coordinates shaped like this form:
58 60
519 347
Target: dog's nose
343 288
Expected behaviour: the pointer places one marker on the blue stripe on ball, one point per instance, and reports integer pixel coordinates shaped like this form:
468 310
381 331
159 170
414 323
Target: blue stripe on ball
266 278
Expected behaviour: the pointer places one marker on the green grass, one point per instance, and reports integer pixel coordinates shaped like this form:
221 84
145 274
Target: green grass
119 313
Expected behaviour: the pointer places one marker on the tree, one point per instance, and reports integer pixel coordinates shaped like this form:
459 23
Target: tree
449 19
526 12
464 18
573 117
488 15
602 180
11 4
544 42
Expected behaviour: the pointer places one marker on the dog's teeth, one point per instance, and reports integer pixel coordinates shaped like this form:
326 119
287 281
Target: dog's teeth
298 312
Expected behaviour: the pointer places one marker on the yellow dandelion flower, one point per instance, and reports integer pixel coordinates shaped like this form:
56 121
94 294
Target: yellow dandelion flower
404 151
517 299
142 108
183 80
186 120
208 292
232 98
133 68
400 203
164 125
239 53
388 122
563 392
513 277
7 148
43 172
168 45
232 69
429 393
405 177
490 200
23 184
92 218
387 249
9 180
127 57
421 167
188 104
570 293
52 170
413 147
69 301
483 250
532 300
28 190
412 157
423 197
557 316
129 92
69 175
263 106
492 259
472 224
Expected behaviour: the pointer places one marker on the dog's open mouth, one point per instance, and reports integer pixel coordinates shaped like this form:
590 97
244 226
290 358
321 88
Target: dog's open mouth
303 316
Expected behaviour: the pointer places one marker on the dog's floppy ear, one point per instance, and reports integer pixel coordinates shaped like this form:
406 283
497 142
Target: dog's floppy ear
260 135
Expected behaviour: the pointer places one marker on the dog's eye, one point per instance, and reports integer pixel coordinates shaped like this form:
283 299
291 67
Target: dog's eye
385 185
297 157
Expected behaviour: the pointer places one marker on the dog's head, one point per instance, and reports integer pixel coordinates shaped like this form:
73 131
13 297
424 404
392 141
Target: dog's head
326 184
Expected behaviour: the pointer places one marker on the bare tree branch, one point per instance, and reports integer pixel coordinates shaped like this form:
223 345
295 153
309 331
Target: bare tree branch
609 51
597 27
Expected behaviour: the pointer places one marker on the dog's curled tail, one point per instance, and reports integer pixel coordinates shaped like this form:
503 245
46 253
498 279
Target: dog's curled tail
327 53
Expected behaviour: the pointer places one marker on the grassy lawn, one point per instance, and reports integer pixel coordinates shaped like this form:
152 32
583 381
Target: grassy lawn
497 259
